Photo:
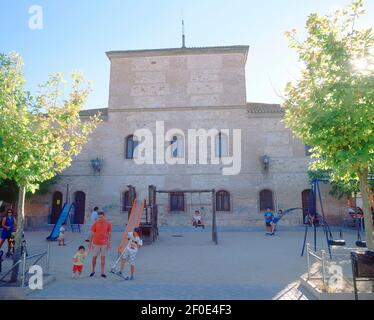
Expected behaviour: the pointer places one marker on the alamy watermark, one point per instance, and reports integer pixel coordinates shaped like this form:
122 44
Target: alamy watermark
36 280
36 17
171 147
336 280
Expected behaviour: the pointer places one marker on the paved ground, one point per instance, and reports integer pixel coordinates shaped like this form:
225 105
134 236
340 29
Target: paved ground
245 265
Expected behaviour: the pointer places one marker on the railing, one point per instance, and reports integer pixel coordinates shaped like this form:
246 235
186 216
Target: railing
25 262
321 268
310 253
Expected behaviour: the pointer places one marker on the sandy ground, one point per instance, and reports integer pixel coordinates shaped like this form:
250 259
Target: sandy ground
246 264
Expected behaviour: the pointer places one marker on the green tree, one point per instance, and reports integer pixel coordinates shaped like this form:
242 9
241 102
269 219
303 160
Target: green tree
331 105
9 189
39 134
339 188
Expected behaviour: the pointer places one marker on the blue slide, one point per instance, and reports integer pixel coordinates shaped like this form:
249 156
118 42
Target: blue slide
64 214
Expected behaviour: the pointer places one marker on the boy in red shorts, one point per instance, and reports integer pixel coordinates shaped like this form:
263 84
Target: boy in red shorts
78 261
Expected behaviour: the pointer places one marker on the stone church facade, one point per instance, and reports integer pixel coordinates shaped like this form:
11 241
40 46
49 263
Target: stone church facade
185 88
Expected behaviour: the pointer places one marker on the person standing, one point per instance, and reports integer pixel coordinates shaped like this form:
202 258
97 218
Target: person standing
61 236
93 218
268 214
100 241
134 243
8 224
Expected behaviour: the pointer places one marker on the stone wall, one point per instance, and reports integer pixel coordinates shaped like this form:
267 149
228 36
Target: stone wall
189 89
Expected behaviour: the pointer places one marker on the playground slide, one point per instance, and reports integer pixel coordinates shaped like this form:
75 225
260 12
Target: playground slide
134 222
64 214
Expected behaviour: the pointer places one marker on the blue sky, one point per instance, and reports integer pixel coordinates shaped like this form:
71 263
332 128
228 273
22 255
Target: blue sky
77 33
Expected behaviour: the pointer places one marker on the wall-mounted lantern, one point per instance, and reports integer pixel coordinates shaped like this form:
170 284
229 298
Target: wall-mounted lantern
96 165
265 160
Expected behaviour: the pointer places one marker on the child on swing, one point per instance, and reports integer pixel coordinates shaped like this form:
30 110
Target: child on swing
130 252
197 219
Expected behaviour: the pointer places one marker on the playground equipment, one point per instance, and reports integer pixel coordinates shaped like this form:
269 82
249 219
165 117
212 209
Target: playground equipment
320 218
200 223
133 222
64 215
153 203
359 242
1 260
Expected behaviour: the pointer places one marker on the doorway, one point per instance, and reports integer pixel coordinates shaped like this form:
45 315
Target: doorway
56 206
305 196
80 205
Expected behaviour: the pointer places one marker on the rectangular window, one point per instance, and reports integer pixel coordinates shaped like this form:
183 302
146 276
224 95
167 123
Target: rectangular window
177 201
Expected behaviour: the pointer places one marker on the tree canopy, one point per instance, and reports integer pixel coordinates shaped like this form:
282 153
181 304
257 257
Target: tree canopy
330 106
39 134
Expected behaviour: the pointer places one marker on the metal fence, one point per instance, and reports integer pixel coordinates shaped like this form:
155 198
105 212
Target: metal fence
332 274
35 256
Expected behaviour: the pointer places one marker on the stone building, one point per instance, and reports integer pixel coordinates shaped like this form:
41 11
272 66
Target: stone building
182 89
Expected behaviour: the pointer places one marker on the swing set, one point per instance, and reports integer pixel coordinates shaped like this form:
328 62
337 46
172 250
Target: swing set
201 209
314 218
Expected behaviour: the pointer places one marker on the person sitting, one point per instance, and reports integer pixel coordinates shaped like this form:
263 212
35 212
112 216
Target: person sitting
197 219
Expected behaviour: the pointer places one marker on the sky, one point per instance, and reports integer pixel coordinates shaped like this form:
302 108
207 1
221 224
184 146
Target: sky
76 34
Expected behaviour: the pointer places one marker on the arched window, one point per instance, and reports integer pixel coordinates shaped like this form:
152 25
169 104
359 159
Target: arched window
176 201
266 200
126 205
128 198
177 147
222 145
130 145
222 201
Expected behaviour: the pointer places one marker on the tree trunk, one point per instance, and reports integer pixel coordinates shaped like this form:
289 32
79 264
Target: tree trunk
18 240
364 188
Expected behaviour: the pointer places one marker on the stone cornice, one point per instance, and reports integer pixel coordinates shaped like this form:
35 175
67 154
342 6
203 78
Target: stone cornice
178 51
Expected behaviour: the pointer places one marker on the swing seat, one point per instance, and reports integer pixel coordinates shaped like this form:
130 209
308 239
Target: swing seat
339 242
196 224
361 244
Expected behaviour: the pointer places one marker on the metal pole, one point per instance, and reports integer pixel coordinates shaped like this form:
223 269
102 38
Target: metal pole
23 269
323 266
307 259
305 236
47 258
214 222
315 235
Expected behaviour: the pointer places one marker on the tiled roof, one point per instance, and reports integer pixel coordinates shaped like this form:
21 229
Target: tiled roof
92 112
254 107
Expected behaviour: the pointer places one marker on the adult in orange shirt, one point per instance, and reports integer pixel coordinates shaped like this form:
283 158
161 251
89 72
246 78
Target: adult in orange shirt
100 241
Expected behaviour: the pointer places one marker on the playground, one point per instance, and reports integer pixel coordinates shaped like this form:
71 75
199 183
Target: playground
184 263
198 263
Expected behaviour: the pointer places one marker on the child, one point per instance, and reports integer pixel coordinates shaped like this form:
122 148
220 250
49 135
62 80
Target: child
197 220
268 214
130 252
276 220
61 236
78 261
